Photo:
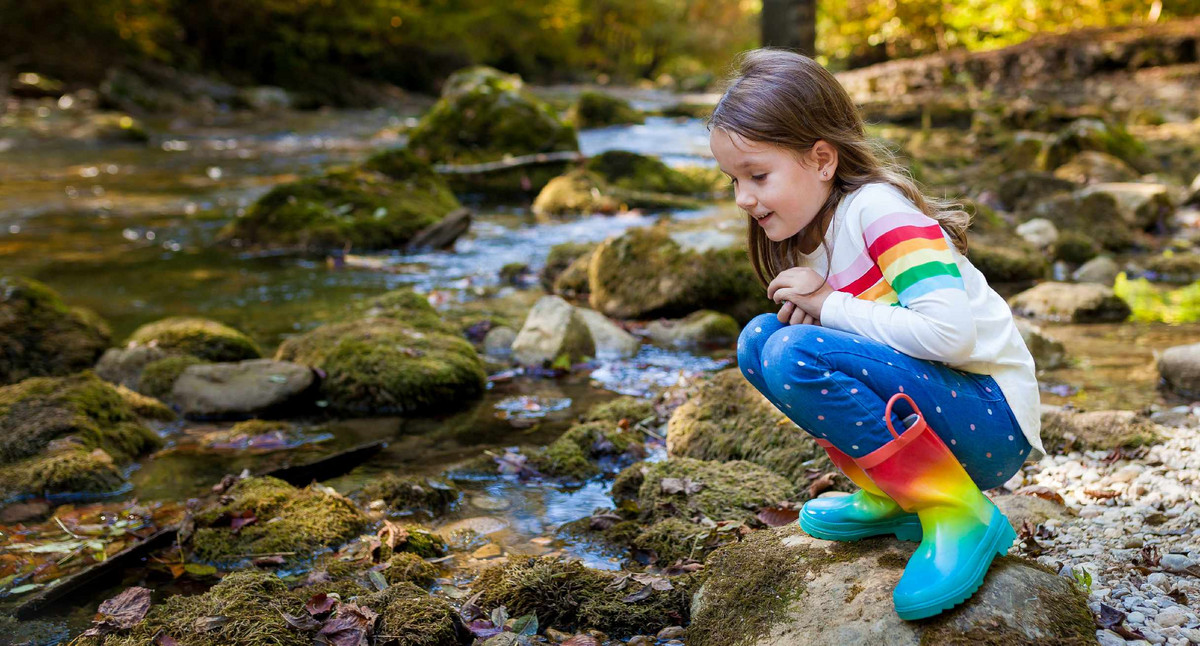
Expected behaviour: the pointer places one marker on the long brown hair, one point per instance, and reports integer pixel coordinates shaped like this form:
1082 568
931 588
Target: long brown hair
790 100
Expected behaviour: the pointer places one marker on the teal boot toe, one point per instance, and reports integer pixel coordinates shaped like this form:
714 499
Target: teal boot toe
857 516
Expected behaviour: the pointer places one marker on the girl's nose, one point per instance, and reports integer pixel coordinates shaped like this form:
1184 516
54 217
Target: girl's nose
745 200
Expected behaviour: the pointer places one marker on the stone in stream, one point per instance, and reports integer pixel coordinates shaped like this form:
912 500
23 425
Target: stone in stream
124 366
1179 367
582 192
1048 353
1007 263
1082 303
727 419
702 328
498 342
70 435
685 487
1093 166
1066 430
554 334
40 336
597 110
1033 509
1020 190
645 273
258 387
1101 270
1038 232
781 587
1144 207
564 259
412 493
610 339
202 338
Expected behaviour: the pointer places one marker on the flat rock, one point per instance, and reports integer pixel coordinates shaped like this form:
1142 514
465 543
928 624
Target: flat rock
1075 303
239 389
554 331
611 340
124 365
1179 367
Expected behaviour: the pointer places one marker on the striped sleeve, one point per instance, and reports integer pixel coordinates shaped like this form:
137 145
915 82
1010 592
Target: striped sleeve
912 254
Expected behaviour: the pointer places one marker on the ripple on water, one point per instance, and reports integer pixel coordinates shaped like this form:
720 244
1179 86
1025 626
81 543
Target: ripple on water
652 370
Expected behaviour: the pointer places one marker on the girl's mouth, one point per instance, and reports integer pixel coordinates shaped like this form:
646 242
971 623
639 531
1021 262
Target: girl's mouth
764 218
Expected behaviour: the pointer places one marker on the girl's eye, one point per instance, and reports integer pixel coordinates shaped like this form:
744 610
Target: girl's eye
758 178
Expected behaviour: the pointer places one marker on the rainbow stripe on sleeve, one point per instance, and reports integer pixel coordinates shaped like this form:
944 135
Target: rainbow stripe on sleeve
906 257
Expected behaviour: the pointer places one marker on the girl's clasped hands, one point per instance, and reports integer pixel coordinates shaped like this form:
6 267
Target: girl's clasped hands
802 292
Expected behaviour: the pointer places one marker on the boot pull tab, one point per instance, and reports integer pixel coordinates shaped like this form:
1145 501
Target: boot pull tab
887 413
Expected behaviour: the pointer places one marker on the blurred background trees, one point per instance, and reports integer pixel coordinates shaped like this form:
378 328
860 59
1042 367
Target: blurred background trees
319 45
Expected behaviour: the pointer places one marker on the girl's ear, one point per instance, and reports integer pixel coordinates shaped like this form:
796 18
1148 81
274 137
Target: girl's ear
826 158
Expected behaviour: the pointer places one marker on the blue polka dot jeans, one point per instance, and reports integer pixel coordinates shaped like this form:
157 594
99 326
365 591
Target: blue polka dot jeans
835 385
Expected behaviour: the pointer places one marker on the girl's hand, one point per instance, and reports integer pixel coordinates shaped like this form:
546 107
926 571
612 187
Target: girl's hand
794 286
790 315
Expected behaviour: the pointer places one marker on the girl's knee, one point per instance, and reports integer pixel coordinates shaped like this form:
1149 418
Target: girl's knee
786 353
750 341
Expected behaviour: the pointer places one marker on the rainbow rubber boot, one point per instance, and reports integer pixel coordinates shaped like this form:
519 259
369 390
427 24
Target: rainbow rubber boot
866 512
962 529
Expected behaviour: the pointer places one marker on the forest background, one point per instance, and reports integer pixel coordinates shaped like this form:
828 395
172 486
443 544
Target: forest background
321 48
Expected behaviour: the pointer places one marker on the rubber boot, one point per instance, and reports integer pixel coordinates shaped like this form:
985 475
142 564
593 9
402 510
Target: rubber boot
866 512
962 531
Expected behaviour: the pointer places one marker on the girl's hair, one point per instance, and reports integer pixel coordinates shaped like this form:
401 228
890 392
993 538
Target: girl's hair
790 100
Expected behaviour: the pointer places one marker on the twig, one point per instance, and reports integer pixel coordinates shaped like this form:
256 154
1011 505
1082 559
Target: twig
69 532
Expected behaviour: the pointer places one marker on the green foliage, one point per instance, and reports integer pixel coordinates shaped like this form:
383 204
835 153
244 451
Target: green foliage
1151 304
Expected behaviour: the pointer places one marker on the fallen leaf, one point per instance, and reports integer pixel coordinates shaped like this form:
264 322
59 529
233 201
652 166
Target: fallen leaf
825 481
164 639
1040 491
644 593
1102 494
209 624
121 612
525 625
377 579
482 628
777 516
266 561
656 582
320 603
241 520
392 534
301 622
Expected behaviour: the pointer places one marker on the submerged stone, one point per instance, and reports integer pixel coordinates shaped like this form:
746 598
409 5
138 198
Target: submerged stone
40 336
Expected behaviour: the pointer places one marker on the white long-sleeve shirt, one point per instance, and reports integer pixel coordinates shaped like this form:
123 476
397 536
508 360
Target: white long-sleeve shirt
899 280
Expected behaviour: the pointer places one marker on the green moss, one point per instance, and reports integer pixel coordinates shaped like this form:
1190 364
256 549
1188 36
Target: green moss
1075 247
729 490
574 453
1092 134
414 618
158 377
561 257
1007 264
629 408
634 172
727 419
409 567
597 110
202 338
577 192
1175 267
42 336
67 471
42 409
360 207
569 596
1152 304
383 365
563 460
289 520
252 427
573 281
484 115
674 539
146 407
644 274
412 493
421 542
402 305
701 328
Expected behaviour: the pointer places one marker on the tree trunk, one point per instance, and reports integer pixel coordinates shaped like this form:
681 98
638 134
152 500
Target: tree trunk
791 24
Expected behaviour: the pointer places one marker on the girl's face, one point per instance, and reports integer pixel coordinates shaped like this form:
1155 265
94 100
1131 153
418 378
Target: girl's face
781 190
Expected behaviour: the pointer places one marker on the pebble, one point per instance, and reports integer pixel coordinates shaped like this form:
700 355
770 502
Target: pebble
1173 616
641 640
1136 618
1177 563
671 632
489 551
1109 638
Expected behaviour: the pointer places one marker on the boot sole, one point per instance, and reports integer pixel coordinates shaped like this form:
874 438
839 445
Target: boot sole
995 543
907 528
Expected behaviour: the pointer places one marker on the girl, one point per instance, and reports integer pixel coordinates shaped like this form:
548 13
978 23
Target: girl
879 306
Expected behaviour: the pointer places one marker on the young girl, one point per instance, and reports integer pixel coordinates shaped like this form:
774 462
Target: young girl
879 307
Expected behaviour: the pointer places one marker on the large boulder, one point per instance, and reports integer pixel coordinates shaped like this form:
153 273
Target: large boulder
727 419
1093 134
563 257
40 336
70 434
1088 212
124 366
611 340
484 116
256 387
633 172
1076 303
781 587
1179 367
582 191
597 110
689 488
554 334
645 273
385 203
202 338
1093 167
701 328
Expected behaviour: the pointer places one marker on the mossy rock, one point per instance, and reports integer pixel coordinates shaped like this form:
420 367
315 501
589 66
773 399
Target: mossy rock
1015 263
597 110
412 493
1074 247
384 366
202 338
71 470
1093 166
485 115
40 336
288 520
402 305
573 281
382 204
701 328
1094 214
674 539
633 409
410 568
569 596
778 583
408 616
146 407
1178 268
1094 134
645 274
1064 431
727 419
158 377
577 453
733 490
634 172
91 412
561 257
578 192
